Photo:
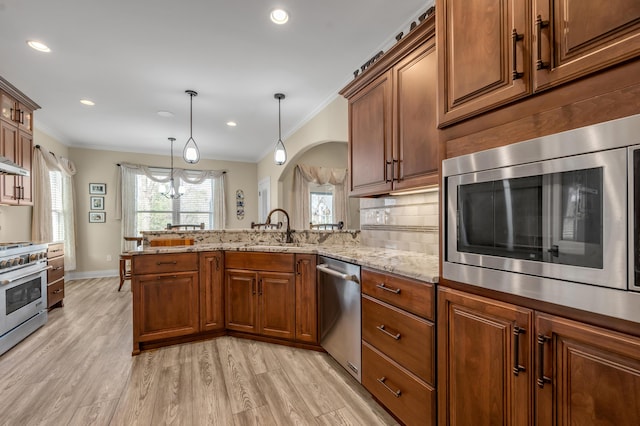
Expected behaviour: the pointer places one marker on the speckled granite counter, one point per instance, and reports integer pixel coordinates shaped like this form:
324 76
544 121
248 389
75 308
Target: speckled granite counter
409 264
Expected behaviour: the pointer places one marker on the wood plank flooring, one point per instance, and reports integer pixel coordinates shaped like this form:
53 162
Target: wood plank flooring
78 370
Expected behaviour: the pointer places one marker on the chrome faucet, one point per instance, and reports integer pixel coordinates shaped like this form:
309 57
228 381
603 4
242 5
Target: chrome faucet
286 215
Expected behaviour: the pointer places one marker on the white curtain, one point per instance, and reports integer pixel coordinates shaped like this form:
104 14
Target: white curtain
41 226
303 175
126 192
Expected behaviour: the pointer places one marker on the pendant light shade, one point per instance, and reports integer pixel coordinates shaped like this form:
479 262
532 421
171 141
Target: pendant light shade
191 154
173 192
280 154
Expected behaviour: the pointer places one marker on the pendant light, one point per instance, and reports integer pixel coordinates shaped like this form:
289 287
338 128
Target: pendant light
173 192
280 154
191 154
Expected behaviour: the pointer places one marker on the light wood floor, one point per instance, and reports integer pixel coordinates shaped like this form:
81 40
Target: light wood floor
78 370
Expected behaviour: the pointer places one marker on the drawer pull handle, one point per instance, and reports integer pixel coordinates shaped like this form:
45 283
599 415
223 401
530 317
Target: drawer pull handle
390 290
540 24
174 262
395 393
542 379
58 268
384 330
166 276
517 368
57 291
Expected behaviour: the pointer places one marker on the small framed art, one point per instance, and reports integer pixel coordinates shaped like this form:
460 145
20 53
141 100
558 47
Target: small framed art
98 188
97 203
97 217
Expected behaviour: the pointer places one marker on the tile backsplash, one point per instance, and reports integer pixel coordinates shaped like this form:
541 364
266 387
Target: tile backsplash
407 222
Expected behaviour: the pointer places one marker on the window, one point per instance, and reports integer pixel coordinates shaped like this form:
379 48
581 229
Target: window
57 212
322 205
153 211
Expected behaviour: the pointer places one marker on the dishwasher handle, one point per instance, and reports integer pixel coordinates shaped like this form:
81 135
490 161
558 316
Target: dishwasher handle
323 267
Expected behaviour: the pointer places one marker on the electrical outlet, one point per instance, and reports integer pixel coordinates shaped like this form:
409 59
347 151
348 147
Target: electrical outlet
108 258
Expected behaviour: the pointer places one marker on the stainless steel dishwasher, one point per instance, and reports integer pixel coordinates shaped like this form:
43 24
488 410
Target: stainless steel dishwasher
340 308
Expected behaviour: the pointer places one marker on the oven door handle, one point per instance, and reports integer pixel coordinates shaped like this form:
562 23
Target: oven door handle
323 267
21 277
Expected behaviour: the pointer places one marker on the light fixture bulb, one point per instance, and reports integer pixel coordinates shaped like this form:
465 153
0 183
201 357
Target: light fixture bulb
279 16
39 46
87 102
191 153
280 154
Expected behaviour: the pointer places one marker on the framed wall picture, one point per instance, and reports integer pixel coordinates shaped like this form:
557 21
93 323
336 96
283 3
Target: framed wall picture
97 217
98 188
97 203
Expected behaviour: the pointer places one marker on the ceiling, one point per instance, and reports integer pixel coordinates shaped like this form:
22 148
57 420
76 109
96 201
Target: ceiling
135 58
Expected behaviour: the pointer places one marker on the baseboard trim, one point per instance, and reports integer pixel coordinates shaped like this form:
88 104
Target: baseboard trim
72 275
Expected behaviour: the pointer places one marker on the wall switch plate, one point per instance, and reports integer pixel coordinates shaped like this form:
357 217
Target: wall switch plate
108 258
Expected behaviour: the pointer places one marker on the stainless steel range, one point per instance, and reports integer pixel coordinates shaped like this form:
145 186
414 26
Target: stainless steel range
23 291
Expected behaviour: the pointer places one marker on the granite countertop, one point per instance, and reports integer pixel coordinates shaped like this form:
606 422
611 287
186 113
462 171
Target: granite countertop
415 265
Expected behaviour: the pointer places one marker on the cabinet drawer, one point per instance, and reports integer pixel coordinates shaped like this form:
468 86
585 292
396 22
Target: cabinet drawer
259 261
56 270
407 397
55 293
405 338
55 250
411 295
160 263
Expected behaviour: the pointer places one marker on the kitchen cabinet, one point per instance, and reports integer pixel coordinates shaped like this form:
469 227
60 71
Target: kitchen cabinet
211 291
306 299
16 143
586 375
582 374
165 297
484 361
260 297
494 52
398 345
55 275
393 140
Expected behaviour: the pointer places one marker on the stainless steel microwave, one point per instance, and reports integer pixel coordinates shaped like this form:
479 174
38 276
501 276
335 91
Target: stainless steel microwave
563 208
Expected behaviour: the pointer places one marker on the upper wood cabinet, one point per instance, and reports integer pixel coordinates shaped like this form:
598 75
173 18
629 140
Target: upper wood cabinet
492 52
393 143
16 143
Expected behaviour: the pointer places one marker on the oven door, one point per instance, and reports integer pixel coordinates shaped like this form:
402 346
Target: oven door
563 219
23 295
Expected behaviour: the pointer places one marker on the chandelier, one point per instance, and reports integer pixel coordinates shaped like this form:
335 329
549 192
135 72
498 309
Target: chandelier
280 154
173 192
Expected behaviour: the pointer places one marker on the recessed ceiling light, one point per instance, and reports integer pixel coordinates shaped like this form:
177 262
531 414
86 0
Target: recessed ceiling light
39 46
87 102
232 123
165 114
279 16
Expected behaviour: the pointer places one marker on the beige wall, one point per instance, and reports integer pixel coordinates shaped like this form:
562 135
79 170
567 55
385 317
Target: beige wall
15 221
97 242
329 125
330 154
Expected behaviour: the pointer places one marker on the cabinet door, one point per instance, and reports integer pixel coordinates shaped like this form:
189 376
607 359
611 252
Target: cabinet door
8 108
165 306
211 291
25 119
416 130
586 375
306 299
476 47
276 295
370 156
8 149
577 37
241 298
484 361
25 156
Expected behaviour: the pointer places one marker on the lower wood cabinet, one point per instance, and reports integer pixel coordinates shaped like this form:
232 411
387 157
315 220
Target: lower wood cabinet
398 345
261 300
55 275
582 374
306 299
211 291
